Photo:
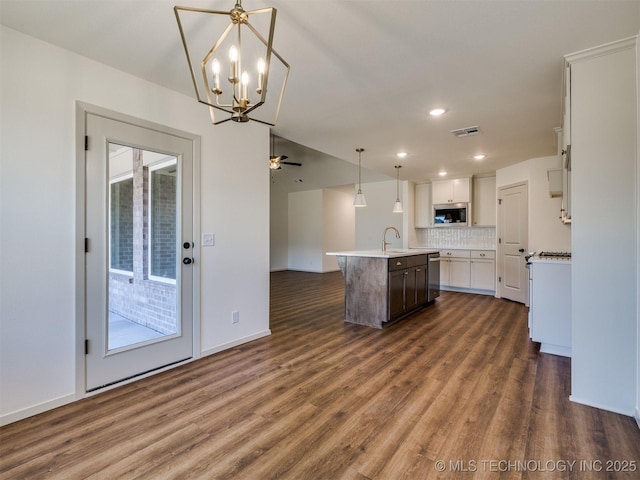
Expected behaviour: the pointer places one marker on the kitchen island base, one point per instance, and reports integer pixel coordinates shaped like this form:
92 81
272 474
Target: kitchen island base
382 289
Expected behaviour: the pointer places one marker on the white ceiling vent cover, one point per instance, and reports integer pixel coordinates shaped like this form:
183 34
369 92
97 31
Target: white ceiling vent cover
466 132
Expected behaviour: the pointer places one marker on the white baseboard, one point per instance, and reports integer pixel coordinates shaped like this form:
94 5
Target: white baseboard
468 290
628 413
555 349
36 409
235 343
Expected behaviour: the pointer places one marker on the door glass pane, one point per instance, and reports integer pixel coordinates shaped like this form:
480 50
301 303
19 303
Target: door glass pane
162 231
121 214
143 243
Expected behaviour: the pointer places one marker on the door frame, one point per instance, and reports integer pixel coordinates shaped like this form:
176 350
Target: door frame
82 110
499 260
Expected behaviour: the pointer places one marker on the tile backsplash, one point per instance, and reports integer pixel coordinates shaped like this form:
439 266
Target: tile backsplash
482 238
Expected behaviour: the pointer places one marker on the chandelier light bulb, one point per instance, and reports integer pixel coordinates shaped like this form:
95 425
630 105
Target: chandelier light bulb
245 85
215 69
233 64
233 54
261 68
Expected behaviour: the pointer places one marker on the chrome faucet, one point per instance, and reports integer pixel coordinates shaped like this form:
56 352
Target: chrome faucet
384 237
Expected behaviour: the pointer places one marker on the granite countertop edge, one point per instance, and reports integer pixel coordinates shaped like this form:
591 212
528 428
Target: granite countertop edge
391 253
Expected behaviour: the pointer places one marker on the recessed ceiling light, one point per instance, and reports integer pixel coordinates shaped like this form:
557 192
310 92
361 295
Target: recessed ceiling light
437 111
442 173
401 154
480 156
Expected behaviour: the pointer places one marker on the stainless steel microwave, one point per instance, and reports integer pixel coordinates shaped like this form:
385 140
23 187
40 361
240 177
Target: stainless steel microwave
451 215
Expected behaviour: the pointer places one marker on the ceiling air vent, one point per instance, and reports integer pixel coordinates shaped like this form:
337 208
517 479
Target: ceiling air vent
466 132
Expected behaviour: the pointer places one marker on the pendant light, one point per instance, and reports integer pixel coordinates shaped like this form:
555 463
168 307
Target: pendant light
397 208
359 200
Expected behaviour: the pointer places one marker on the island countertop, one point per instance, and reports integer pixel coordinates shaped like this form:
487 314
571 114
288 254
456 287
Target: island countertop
390 253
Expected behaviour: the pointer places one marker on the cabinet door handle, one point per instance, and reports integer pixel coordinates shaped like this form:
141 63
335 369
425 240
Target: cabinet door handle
398 264
418 269
482 254
406 273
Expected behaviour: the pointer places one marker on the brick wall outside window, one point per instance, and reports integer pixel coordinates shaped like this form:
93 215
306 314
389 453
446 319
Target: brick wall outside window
137 297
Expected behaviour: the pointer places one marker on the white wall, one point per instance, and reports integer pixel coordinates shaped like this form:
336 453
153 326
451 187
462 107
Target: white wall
40 84
377 215
546 231
604 186
339 222
279 229
319 221
305 231
408 198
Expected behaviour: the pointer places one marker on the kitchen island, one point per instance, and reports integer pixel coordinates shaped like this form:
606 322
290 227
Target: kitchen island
382 287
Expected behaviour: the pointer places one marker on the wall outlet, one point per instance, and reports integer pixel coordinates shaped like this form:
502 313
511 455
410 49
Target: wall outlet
235 316
208 239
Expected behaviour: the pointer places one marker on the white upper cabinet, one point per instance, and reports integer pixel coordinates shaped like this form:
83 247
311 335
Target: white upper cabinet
451 191
423 208
484 201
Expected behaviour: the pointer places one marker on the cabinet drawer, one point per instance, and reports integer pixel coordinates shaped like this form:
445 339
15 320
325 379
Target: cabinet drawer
398 263
416 260
488 254
454 253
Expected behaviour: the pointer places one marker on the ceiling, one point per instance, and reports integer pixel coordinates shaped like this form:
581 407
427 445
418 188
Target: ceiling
365 73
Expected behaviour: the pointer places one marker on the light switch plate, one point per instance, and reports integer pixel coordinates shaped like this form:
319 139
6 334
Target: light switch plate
208 239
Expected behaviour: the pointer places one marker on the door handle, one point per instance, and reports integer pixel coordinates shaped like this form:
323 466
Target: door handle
521 250
187 260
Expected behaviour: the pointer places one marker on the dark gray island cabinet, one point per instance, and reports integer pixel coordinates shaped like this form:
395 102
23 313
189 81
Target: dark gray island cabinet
381 288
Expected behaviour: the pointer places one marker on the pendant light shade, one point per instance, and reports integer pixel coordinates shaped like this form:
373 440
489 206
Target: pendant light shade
359 200
397 208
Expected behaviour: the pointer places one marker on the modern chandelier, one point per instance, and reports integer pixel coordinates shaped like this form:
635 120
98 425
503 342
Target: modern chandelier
232 62
359 200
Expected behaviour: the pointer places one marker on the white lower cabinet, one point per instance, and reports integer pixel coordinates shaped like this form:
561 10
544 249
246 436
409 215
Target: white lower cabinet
483 269
459 272
550 309
468 269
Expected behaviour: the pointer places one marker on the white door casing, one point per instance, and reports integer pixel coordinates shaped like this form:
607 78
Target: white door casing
104 367
513 281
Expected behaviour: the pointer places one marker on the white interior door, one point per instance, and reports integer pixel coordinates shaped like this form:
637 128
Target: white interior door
512 243
139 250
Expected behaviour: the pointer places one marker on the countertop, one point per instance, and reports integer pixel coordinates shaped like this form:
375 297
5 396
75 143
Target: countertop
553 260
470 247
390 253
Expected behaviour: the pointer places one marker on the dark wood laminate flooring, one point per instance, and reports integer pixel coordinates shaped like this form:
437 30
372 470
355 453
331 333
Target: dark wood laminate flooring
456 391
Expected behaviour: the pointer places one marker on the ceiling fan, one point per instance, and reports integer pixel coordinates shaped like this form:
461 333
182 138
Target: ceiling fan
276 161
